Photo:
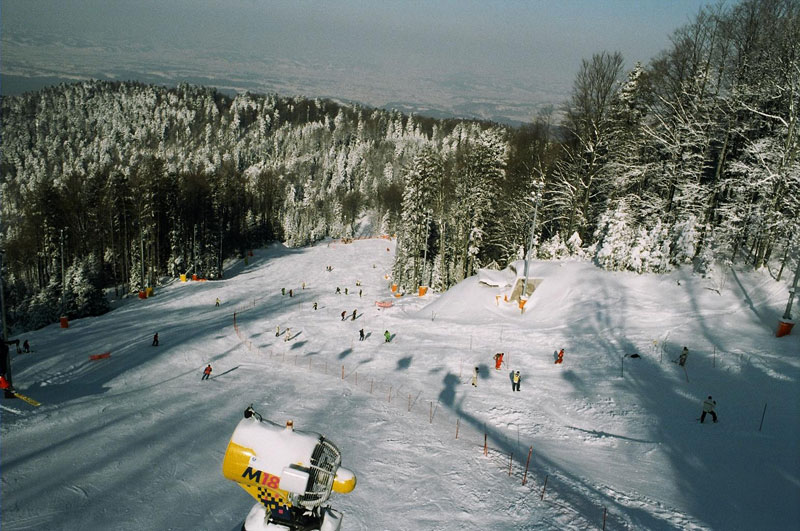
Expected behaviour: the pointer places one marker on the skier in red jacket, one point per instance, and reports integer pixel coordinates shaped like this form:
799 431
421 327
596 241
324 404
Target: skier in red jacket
206 372
498 360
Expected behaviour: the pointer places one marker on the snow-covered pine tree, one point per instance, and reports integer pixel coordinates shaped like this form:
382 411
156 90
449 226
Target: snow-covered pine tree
421 181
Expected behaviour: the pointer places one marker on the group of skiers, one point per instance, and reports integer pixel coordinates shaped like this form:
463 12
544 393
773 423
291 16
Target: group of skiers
708 405
498 363
287 332
347 290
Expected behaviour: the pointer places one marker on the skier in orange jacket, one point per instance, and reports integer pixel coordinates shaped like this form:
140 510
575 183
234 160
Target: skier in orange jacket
498 360
206 372
560 356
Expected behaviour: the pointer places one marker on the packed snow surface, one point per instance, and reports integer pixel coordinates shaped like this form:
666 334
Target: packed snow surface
135 441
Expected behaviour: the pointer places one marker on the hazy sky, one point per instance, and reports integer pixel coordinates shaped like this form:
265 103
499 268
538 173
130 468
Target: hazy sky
504 57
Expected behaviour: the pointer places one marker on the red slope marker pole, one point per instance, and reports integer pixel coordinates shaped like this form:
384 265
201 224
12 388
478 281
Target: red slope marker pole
525 477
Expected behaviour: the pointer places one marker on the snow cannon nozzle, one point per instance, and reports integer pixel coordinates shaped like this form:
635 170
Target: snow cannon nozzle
291 474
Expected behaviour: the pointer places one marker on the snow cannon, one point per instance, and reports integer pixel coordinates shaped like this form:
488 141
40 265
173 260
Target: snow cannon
290 474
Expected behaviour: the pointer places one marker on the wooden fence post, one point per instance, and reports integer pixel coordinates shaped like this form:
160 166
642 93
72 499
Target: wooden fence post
510 460
527 463
458 420
604 518
545 486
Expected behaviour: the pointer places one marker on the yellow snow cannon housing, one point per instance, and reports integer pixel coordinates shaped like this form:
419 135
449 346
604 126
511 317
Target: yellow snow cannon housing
290 473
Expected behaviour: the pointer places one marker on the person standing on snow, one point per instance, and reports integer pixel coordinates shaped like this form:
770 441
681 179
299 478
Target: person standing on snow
361 335
26 347
155 339
344 314
315 305
288 334
387 336
283 291
683 356
291 293
515 381
498 360
217 302
708 407
338 290
560 358
206 372
475 377
354 315
277 330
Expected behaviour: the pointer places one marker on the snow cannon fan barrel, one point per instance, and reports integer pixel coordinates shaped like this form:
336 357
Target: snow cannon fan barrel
290 474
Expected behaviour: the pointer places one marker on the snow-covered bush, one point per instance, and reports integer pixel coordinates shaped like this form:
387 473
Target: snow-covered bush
574 246
44 307
83 295
614 239
684 236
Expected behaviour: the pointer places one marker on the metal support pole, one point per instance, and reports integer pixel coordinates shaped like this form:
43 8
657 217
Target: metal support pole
7 365
141 254
788 313
530 245
63 285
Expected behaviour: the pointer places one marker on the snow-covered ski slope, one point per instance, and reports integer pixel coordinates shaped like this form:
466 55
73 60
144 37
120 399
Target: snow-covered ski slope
136 441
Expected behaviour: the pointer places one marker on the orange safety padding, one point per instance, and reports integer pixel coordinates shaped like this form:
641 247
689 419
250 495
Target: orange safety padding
784 329
64 322
100 356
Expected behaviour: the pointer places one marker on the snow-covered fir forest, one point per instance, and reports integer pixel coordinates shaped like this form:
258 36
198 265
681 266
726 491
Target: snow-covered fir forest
692 158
